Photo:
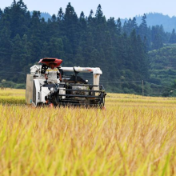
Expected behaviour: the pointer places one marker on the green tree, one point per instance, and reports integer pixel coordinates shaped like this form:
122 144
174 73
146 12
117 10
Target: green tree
36 36
71 25
5 46
157 41
55 48
173 37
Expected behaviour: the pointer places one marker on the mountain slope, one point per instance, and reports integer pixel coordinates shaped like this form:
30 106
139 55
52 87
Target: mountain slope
153 19
163 65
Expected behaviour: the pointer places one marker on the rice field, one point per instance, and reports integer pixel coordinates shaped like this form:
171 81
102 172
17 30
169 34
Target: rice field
135 135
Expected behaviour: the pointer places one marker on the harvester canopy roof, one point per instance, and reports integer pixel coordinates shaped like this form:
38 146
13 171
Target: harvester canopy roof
47 61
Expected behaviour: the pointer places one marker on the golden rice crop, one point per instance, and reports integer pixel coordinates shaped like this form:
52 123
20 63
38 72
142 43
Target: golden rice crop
135 135
12 96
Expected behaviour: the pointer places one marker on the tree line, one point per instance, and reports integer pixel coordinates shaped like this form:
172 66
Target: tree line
119 50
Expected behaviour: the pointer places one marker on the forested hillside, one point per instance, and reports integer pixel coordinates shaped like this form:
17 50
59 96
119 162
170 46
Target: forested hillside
152 19
119 50
157 19
163 70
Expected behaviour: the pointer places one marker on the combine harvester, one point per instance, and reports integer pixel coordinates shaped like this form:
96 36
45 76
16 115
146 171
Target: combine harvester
71 90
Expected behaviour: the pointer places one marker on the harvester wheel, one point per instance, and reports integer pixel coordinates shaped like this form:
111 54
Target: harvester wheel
102 103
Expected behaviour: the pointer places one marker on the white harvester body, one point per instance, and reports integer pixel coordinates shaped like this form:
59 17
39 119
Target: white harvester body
68 91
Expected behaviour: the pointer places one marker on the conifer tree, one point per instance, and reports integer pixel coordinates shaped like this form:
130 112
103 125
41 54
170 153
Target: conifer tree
173 37
71 26
143 27
119 27
156 37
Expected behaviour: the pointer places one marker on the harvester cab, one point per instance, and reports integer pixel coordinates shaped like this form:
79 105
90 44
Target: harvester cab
70 90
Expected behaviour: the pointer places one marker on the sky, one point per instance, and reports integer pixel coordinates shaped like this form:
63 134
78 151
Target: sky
110 8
